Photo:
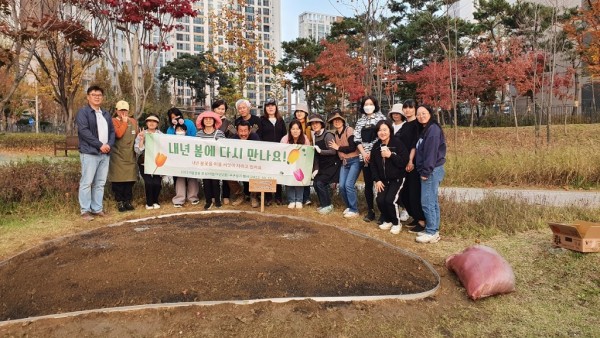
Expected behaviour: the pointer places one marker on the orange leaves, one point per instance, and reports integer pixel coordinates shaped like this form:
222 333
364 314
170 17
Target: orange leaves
337 68
584 29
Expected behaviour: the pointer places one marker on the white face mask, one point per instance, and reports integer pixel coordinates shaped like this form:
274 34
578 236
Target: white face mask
180 132
369 109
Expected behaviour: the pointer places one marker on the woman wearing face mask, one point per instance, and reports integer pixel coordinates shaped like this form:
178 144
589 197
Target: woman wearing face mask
389 158
365 135
185 188
411 190
430 159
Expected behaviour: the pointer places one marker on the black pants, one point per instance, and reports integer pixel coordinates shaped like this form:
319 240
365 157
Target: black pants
278 194
388 199
212 189
368 178
411 196
225 189
152 186
123 191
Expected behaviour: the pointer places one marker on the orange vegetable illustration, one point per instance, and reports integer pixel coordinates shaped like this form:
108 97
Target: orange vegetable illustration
160 160
293 156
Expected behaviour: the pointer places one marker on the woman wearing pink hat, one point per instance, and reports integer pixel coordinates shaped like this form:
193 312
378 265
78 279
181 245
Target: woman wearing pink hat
208 124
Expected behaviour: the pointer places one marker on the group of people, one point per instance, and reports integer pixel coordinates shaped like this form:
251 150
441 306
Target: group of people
401 157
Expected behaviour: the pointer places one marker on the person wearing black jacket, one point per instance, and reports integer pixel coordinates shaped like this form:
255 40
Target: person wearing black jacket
389 157
271 128
411 190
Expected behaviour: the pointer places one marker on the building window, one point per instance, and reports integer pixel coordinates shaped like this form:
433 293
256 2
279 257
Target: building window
198 48
198 38
198 29
182 37
265 11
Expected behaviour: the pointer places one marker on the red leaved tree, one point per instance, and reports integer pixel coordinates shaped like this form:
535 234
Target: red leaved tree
338 71
146 27
432 84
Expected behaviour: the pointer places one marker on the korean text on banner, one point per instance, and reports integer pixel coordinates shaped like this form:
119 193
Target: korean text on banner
226 159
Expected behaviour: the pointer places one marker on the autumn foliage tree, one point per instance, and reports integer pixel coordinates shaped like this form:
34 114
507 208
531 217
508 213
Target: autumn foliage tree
584 29
338 71
246 51
145 26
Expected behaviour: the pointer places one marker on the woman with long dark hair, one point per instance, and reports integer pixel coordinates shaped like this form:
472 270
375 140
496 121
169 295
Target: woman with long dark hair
388 160
271 128
411 190
430 159
295 135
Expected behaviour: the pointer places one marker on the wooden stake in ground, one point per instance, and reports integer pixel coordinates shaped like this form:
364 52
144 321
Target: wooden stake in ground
262 186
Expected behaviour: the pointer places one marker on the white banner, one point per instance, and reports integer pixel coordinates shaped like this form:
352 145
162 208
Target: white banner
227 159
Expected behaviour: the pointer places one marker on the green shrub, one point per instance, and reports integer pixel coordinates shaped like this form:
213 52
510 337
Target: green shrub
29 141
31 181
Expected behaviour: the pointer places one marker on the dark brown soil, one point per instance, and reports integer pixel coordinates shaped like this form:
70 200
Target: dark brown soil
204 258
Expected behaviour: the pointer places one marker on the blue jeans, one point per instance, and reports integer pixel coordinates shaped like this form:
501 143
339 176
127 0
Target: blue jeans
94 170
348 175
429 200
294 194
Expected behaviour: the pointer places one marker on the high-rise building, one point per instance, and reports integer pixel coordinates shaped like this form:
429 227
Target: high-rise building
316 25
194 36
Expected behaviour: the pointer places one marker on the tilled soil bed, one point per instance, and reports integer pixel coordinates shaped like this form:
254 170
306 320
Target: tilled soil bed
204 257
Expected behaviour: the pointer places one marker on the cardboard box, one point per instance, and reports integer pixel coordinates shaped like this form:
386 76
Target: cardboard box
580 236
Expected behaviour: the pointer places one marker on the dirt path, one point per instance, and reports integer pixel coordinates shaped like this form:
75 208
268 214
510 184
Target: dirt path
589 199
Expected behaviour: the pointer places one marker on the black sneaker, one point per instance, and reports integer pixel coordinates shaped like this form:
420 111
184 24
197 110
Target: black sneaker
121 206
370 216
218 204
380 221
129 206
416 229
207 206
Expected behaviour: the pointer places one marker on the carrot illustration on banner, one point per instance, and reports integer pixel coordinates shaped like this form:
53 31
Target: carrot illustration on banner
159 160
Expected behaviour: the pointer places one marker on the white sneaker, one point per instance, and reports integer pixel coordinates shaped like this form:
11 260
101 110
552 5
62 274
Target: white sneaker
156 206
385 226
425 238
404 216
292 205
396 229
325 210
345 211
298 205
149 207
351 214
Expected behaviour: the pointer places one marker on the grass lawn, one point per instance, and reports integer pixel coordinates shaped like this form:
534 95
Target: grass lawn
558 291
